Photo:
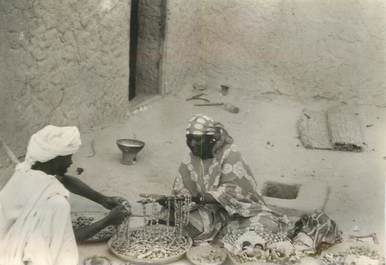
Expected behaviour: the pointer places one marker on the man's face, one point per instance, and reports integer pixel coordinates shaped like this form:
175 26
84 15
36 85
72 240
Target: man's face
200 145
63 163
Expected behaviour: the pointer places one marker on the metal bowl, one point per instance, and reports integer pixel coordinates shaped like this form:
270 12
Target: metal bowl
130 149
101 260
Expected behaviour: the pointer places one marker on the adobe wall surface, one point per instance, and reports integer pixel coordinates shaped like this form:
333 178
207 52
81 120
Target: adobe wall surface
64 63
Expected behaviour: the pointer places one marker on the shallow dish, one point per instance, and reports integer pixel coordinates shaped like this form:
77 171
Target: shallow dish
206 254
97 260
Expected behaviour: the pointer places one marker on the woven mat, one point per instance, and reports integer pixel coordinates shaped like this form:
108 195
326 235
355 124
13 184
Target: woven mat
345 130
337 128
313 130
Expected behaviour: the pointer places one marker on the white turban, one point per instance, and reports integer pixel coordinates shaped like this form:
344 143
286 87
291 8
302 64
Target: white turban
52 141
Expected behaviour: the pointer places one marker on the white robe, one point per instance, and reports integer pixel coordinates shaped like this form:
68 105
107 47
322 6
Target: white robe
35 221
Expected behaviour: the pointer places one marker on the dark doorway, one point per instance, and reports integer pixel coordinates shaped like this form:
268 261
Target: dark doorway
133 48
147 30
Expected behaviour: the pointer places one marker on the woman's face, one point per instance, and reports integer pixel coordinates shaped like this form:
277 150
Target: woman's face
200 145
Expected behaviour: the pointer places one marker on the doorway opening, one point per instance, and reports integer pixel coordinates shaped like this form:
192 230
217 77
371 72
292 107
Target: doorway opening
147 33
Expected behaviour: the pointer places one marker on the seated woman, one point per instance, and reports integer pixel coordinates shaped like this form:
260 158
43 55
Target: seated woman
222 185
220 182
35 221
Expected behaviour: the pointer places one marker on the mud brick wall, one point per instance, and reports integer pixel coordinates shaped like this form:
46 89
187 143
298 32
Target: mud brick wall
63 62
182 62
317 49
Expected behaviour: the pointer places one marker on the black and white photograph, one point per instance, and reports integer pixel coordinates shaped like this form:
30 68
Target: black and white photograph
192 132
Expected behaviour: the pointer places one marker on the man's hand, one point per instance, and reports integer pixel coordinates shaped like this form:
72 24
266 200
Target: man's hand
112 202
117 215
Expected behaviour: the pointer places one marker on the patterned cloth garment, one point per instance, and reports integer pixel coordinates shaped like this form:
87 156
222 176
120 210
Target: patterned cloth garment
229 180
226 177
319 227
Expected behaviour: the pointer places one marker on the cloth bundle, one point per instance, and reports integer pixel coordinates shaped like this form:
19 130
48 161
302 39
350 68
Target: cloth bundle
315 232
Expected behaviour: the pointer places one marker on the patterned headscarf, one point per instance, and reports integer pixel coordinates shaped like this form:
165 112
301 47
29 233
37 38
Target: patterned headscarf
201 124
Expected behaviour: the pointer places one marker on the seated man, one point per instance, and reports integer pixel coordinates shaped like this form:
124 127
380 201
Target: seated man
35 221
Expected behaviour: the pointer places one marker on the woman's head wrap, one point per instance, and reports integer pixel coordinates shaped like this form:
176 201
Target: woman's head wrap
50 142
201 124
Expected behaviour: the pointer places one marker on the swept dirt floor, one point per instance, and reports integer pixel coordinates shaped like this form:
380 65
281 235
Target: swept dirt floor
265 131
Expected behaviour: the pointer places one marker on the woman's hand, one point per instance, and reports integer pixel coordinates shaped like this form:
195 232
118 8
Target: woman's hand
164 201
204 198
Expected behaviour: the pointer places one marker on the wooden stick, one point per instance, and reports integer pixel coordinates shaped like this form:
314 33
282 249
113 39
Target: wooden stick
372 235
9 152
209 104
92 149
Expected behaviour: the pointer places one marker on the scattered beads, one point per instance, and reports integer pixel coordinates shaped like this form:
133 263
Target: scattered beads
339 258
83 221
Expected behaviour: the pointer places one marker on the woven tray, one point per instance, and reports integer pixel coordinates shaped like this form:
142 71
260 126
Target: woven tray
136 260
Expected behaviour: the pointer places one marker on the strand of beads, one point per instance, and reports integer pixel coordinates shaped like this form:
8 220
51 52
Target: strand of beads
144 218
127 228
168 215
186 212
181 209
176 217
